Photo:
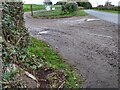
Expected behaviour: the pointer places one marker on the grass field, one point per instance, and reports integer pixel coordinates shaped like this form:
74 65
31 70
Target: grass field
26 7
54 60
57 14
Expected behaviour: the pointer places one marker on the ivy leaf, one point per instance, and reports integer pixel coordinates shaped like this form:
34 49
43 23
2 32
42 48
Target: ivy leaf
6 75
34 67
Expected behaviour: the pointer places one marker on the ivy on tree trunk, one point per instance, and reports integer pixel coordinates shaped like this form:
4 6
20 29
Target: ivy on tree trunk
16 39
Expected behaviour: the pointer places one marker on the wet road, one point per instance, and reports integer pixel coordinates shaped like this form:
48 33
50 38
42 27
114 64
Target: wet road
110 17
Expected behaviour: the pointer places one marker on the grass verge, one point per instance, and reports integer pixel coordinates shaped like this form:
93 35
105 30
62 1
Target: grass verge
54 60
111 11
58 14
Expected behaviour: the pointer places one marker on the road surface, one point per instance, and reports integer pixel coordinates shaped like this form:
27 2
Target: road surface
89 47
111 17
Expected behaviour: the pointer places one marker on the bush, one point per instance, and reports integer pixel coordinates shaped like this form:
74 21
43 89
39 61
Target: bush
71 6
116 8
86 5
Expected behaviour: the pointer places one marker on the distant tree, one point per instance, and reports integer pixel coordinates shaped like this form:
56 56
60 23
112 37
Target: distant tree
51 3
88 5
108 3
60 3
47 2
100 6
119 3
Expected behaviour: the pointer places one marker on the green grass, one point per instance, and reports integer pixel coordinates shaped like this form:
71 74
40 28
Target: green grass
111 11
26 7
58 14
55 61
51 14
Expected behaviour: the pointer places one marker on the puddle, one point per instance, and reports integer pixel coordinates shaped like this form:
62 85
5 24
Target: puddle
89 20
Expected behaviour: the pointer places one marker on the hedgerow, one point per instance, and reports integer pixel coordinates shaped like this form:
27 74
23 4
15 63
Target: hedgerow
15 42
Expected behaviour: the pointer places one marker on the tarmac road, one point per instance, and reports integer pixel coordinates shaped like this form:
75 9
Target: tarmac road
111 17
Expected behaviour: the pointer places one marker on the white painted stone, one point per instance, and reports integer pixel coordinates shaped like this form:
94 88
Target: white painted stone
89 20
53 8
43 32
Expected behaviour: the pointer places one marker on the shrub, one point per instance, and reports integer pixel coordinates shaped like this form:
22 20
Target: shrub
86 5
71 6
116 8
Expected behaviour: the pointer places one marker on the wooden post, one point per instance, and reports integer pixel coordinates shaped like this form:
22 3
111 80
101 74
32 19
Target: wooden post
31 9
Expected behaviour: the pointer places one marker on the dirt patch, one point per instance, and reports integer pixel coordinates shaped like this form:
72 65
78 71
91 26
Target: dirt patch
46 78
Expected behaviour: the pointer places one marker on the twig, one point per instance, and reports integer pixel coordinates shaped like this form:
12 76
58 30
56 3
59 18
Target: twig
31 76
20 38
9 82
61 85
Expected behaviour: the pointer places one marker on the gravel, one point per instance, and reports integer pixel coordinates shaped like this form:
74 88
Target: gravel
91 48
